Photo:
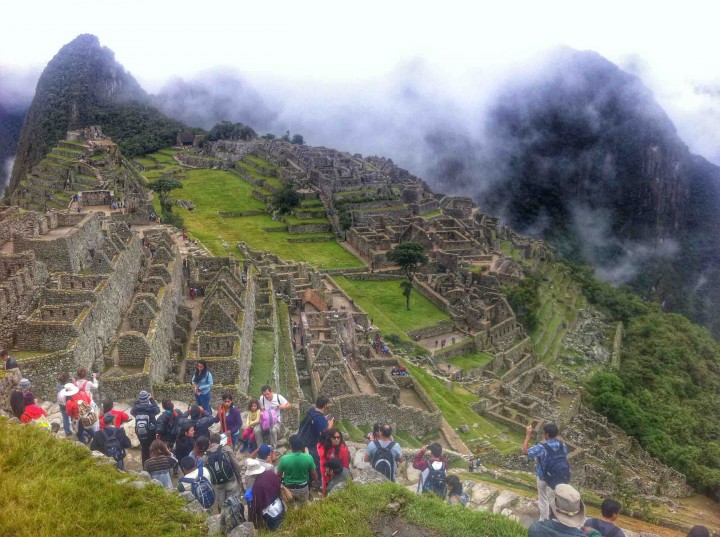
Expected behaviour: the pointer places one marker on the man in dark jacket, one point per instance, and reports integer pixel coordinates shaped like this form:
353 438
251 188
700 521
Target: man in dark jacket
16 397
145 428
318 425
200 420
101 437
168 423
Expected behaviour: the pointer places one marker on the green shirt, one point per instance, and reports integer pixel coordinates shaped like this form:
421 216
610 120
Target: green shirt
296 468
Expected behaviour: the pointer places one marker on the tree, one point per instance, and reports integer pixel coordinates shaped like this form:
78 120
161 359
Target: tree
285 200
163 186
409 256
297 139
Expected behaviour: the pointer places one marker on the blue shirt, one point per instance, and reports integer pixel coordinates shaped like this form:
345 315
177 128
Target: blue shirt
538 451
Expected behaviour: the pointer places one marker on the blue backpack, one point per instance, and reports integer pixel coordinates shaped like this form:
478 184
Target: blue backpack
556 468
201 488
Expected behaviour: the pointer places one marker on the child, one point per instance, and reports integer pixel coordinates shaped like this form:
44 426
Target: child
253 419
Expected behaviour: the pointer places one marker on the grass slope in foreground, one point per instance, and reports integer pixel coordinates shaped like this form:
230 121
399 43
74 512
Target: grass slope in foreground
51 487
217 190
384 302
360 511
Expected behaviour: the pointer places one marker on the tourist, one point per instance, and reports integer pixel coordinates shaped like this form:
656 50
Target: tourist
699 531
230 420
85 385
436 343
202 381
271 403
226 478
33 411
455 493
567 512
453 340
120 416
185 442
17 403
294 469
199 419
8 361
375 433
265 510
168 423
189 468
265 455
610 510
433 472
63 379
160 462
73 396
549 452
384 454
336 474
145 411
253 420
314 425
253 468
109 431
202 443
332 446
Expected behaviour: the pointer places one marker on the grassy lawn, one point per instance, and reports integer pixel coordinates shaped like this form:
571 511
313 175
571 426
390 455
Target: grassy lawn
454 405
436 212
263 360
351 512
471 361
385 304
216 190
40 470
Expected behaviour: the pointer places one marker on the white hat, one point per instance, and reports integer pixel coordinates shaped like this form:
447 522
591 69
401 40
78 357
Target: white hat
69 389
566 505
253 467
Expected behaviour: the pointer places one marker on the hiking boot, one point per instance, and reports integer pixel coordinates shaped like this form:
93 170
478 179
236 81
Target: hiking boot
244 447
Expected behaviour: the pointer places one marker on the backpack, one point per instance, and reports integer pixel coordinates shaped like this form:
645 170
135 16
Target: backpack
435 479
232 514
202 490
144 426
219 467
306 432
268 418
86 414
556 469
113 448
383 460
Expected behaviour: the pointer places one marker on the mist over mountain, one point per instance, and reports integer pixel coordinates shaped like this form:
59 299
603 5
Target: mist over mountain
84 85
16 90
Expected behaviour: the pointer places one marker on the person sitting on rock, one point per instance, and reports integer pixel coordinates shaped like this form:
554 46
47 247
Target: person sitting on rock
230 420
455 493
17 401
120 416
32 410
332 446
253 420
99 442
336 474
567 515
610 510
295 468
271 402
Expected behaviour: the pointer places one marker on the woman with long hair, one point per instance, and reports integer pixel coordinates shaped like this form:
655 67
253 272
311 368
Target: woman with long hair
230 419
332 446
160 462
202 381
455 494
253 419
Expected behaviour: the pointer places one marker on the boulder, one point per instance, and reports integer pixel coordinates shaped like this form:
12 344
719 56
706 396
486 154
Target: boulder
505 500
365 476
187 496
358 461
246 529
483 495
194 507
214 525
413 475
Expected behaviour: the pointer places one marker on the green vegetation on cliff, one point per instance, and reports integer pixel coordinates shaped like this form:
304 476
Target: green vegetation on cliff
53 487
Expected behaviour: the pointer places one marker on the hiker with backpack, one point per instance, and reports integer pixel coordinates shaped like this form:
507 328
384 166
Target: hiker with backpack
145 411
455 493
332 446
195 480
77 406
202 381
224 471
433 472
384 454
120 416
271 407
295 468
553 467
313 425
160 462
111 441
168 423
265 506
85 385
230 420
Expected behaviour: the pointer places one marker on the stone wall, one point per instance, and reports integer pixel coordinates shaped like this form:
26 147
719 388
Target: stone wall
465 346
246 335
379 277
133 349
443 327
44 369
431 295
297 229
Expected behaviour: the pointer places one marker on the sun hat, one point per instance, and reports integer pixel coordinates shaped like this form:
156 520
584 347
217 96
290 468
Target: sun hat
566 505
69 390
24 383
253 467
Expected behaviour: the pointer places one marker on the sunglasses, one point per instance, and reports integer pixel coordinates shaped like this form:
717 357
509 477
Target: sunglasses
336 437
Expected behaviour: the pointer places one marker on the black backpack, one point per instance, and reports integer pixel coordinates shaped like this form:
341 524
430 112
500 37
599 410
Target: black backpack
219 467
232 514
556 468
435 480
145 426
383 460
306 432
113 449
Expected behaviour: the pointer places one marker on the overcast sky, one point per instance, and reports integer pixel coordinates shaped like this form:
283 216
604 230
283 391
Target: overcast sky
342 44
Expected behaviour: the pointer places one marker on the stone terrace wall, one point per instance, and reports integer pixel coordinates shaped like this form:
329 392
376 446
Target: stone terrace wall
248 328
464 347
133 349
44 369
27 224
362 409
443 327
